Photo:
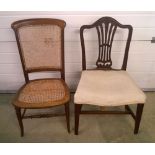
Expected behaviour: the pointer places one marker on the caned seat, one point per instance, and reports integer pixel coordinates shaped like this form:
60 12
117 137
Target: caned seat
106 84
42 93
41 48
108 88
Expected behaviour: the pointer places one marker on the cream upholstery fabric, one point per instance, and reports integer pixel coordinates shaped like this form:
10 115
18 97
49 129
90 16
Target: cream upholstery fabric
107 88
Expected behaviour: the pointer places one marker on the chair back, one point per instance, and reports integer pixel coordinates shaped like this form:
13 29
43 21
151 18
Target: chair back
41 44
106 29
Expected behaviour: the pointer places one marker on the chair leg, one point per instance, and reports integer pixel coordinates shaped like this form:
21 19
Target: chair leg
67 116
126 108
19 117
138 117
77 114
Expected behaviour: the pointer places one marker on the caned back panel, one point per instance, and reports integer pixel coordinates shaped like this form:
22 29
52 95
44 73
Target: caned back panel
40 46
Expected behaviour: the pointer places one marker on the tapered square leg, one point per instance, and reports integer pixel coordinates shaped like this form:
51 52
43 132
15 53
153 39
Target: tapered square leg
138 117
77 114
67 116
126 107
19 117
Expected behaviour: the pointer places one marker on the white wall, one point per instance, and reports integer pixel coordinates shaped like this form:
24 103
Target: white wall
141 63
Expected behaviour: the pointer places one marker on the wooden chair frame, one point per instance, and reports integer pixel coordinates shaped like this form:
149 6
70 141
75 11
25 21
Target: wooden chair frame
103 65
38 21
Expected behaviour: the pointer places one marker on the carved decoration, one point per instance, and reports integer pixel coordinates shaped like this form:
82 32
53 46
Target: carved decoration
105 33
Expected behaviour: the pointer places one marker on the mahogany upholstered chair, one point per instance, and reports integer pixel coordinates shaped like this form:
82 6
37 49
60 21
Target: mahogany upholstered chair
41 47
104 85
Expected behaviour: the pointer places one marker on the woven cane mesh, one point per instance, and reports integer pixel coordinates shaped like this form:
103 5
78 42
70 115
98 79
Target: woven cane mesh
41 46
43 92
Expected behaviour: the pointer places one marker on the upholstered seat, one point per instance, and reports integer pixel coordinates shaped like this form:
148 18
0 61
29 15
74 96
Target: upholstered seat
43 93
107 88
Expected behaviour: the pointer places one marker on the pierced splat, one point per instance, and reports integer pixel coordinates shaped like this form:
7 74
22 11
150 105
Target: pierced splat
105 33
106 28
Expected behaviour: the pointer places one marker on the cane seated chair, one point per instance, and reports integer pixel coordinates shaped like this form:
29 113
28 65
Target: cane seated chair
41 47
105 86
